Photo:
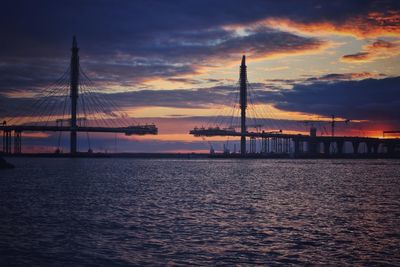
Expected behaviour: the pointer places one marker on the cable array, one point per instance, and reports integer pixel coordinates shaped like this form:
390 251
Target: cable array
51 106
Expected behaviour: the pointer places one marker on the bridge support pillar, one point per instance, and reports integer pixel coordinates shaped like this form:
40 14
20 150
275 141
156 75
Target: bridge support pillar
296 146
263 145
312 146
253 145
391 148
73 141
243 146
287 145
7 142
17 142
356 145
327 146
340 147
376 147
369 147
279 145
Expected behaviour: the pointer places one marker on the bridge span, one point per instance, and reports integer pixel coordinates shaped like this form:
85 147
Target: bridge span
276 142
76 84
18 129
273 142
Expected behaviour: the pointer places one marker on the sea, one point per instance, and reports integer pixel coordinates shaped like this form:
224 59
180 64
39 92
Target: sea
200 212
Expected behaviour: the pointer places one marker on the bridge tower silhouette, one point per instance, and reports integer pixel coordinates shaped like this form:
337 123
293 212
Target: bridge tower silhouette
243 105
85 99
269 129
74 83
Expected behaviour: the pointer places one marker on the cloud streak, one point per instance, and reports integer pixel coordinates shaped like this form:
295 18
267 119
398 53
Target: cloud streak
379 49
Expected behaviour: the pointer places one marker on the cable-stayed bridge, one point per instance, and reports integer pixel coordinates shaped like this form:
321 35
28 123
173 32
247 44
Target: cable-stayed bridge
72 104
263 126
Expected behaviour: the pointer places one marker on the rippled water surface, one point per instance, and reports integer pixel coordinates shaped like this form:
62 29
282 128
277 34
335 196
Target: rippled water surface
200 212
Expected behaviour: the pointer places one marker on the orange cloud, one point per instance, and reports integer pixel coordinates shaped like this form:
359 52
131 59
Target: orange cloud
373 25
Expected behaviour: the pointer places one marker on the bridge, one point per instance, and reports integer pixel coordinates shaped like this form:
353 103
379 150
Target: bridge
275 141
75 94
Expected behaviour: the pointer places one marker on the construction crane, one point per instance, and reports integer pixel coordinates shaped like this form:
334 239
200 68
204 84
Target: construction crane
333 123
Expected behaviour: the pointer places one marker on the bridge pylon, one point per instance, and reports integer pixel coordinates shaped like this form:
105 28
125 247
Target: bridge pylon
74 84
243 105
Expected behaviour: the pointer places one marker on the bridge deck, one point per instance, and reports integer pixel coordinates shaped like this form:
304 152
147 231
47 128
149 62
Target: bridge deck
224 132
131 130
300 137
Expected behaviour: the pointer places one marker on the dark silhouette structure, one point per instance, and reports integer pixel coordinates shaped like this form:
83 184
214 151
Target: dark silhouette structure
243 105
300 145
73 127
74 92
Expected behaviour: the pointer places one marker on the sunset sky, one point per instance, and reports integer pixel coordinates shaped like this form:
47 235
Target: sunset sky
176 64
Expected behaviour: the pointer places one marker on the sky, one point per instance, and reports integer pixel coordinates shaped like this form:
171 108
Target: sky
176 64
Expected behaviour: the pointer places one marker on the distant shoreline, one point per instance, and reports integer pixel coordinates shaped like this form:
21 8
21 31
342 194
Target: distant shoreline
202 156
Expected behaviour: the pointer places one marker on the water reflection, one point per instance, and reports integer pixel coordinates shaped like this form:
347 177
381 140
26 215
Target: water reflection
158 212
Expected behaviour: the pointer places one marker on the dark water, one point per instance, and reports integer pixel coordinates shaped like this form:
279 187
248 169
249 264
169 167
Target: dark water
73 212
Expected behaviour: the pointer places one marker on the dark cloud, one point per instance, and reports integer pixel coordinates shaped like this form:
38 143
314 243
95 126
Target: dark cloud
368 99
131 41
28 75
212 80
184 80
334 77
382 44
356 57
106 22
279 84
162 57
